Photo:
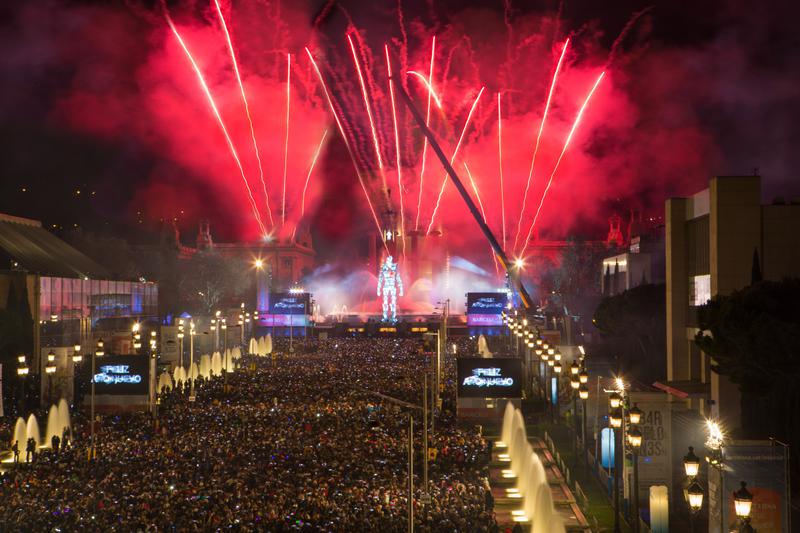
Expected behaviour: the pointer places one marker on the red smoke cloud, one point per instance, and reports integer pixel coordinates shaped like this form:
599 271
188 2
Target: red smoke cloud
638 141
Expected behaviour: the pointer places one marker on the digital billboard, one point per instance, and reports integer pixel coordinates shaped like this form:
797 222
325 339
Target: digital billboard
122 375
285 303
481 377
485 308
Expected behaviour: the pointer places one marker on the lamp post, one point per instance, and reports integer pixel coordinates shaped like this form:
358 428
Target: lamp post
99 352
191 360
694 492
180 341
136 337
22 372
615 420
557 368
583 393
743 504
50 369
635 442
574 383
695 496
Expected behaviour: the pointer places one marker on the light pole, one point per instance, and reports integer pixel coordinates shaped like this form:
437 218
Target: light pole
50 369
95 354
22 372
77 357
180 341
583 393
191 361
575 384
635 442
615 421
694 493
557 368
136 337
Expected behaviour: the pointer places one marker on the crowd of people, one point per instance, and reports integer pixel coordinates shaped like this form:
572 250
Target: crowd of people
311 442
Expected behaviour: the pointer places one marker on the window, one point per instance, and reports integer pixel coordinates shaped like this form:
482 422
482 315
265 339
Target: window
699 290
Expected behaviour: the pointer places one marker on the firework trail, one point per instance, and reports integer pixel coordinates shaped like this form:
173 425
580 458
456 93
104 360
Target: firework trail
246 107
428 86
500 162
538 139
397 148
347 144
308 179
310 170
561 156
221 122
452 158
475 190
369 112
286 144
425 139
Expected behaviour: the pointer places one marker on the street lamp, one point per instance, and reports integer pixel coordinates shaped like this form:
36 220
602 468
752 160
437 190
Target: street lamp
691 464
614 400
583 377
137 337
615 419
95 354
23 368
583 394
50 369
635 442
635 414
191 360
743 503
76 354
695 497
695 493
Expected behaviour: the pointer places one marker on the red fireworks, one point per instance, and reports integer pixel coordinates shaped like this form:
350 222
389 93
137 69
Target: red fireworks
364 128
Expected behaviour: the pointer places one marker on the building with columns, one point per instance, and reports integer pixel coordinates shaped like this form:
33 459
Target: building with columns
713 239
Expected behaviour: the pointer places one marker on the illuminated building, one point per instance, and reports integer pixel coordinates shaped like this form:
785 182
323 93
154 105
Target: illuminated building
69 298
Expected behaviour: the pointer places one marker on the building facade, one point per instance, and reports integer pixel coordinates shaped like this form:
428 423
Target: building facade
712 241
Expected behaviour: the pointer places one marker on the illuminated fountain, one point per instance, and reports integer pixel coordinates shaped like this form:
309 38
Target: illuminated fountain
253 346
525 466
20 434
193 372
483 347
205 366
228 364
179 375
216 364
165 381
32 430
267 344
236 353
58 418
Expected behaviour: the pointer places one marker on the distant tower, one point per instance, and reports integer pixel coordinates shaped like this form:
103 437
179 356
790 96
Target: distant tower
204 241
635 226
615 237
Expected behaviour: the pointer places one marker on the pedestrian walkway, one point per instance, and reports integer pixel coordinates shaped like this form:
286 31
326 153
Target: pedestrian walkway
506 503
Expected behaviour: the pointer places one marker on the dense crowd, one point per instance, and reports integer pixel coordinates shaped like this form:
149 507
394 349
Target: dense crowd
302 444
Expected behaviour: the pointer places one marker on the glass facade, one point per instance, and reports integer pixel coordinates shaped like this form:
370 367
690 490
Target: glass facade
70 308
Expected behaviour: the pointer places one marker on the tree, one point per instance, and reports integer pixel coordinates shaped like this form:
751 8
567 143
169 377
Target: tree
576 282
208 280
753 338
632 326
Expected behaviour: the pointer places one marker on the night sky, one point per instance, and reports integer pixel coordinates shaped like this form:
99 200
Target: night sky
742 92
